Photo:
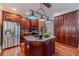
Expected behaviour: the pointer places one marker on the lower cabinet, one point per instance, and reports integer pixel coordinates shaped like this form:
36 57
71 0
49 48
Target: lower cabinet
39 48
36 48
21 38
47 48
26 48
52 42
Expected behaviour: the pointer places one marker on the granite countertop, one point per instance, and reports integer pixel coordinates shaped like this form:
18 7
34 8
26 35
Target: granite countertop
31 38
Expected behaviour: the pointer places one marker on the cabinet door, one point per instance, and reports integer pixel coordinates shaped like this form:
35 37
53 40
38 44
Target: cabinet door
59 29
56 29
66 29
61 36
35 23
74 40
36 48
47 48
11 17
24 23
52 46
26 47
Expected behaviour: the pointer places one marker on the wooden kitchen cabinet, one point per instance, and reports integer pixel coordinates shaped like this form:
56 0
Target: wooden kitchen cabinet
24 23
67 29
22 39
74 30
40 48
59 22
47 48
60 29
52 49
36 48
56 30
26 48
35 23
11 17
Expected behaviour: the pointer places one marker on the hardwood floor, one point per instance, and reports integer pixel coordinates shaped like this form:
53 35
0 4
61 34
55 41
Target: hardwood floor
65 50
15 51
60 50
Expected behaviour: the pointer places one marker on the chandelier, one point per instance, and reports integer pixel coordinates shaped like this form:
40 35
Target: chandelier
39 11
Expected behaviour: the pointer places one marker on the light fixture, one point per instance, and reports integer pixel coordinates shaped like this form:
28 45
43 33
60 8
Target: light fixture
48 21
27 13
13 9
32 16
47 18
42 19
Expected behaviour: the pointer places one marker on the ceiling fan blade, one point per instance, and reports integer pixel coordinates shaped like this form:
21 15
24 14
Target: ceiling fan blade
48 5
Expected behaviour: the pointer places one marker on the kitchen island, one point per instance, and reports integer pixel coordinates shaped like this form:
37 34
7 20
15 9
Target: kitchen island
39 47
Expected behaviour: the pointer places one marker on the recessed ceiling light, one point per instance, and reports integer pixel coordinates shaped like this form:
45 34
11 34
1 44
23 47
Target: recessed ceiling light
14 9
27 13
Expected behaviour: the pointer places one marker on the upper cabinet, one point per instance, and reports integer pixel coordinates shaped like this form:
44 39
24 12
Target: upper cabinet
35 23
10 16
24 23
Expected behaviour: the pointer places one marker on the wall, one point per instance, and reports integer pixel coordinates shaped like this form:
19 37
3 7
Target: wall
9 9
1 7
0 27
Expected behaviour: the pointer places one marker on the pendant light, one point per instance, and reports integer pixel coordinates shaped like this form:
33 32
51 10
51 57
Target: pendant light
48 21
32 16
42 19
47 18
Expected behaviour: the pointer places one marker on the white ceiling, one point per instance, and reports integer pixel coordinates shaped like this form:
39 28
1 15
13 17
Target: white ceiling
56 8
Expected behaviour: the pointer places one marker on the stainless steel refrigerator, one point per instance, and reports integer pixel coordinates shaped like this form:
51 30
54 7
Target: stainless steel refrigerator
11 34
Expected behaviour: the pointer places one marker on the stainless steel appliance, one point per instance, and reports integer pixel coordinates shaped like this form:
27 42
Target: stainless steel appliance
11 34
